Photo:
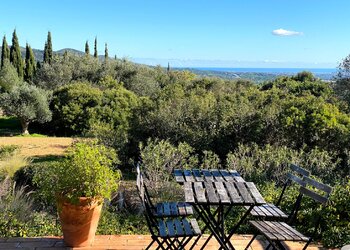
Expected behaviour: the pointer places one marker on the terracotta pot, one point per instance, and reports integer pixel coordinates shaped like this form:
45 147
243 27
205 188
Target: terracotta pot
79 222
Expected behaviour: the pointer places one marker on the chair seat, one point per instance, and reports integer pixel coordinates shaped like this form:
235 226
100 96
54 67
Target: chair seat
268 211
278 231
172 209
178 228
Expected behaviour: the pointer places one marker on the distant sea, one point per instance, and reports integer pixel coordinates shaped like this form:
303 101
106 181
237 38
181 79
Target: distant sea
261 74
288 71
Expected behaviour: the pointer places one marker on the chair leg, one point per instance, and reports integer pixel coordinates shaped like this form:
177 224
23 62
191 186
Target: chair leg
171 243
186 242
160 244
307 243
251 241
150 244
179 243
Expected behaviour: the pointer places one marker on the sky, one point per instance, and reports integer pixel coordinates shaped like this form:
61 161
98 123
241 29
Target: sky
190 33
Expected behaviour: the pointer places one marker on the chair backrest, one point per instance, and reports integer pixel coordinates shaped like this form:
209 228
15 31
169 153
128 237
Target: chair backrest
147 206
295 175
324 191
298 170
319 192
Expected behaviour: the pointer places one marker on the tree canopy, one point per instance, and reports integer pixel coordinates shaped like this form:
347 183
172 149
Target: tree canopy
28 103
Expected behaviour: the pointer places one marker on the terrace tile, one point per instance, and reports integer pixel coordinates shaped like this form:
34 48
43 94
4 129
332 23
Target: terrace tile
130 242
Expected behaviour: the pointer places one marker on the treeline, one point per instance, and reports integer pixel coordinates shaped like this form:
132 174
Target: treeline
21 93
130 103
26 68
125 103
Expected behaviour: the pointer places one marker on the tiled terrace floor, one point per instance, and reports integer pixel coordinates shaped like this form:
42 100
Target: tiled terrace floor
130 242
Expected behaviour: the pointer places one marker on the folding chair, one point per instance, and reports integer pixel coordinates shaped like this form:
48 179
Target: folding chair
276 231
167 209
273 212
169 233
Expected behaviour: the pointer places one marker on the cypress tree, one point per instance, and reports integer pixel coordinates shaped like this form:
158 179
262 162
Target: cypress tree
5 52
95 48
38 65
49 46
15 55
48 53
30 64
65 55
87 49
168 69
106 52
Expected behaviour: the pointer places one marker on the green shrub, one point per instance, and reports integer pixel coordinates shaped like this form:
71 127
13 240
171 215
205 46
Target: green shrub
43 224
121 222
270 163
85 172
10 226
159 159
71 106
336 223
40 224
112 120
209 160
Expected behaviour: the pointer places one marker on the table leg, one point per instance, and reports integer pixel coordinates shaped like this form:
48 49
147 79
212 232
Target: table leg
210 221
211 235
234 229
218 227
205 227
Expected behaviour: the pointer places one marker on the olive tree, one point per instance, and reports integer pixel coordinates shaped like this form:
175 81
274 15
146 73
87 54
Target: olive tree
27 102
8 76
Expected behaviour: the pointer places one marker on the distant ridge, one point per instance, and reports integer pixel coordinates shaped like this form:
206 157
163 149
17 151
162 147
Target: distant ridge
39 54
227 73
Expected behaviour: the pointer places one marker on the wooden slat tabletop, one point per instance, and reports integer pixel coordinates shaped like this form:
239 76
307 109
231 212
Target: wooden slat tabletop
197 175
188 175
210 193
209 175
179 175
214 193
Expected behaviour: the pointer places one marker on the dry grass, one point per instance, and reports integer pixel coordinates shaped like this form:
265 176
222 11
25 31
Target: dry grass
35 146
10 165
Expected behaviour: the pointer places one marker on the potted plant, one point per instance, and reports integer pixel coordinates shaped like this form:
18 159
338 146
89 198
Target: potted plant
79 184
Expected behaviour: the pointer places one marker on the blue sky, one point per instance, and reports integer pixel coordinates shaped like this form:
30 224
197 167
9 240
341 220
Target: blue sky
221 33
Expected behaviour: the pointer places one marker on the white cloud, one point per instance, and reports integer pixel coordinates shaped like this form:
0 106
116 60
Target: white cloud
283 32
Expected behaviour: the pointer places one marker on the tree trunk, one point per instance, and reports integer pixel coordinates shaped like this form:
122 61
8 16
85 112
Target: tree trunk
25 125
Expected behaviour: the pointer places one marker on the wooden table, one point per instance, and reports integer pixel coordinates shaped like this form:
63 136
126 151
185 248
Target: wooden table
213 199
